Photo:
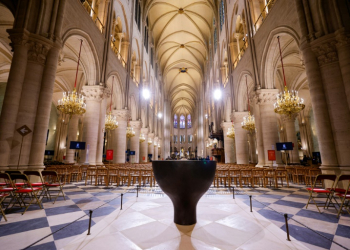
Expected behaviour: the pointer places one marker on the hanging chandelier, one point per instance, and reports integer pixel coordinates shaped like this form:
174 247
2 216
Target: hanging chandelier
130 132
142 138
288 102
73 103
231 132
158 145
149 141
111 121
249 120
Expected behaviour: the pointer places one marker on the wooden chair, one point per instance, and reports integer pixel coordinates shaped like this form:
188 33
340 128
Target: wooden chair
257 177
311 175
269 177
101 176
300 174
74 174
222 177
90 174
246 177
235 175
112 175
282 174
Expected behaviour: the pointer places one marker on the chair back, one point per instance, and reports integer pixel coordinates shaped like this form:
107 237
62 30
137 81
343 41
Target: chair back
330 177
13 172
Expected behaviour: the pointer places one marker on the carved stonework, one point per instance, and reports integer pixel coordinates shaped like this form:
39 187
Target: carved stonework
151 136
17 39
343 38
37 51
144 131
287 118
121 114
226 125
106 93
266 96
93 93
135 124
326 52
239 116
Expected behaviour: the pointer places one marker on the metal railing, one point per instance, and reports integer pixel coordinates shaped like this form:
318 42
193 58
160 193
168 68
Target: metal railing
116 51
93 14
264 14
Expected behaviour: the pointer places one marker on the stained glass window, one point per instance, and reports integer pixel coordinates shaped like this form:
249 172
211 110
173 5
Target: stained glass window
175 121
222 14
189 122
215 40
182 121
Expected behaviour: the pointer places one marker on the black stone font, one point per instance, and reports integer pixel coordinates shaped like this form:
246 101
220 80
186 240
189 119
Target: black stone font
184 182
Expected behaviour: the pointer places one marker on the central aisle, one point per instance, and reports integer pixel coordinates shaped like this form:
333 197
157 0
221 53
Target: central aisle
147 223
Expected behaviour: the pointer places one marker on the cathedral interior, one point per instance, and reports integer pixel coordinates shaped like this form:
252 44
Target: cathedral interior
97 90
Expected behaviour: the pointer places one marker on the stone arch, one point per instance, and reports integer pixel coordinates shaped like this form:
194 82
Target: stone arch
117 100
89 57
241 95
269 54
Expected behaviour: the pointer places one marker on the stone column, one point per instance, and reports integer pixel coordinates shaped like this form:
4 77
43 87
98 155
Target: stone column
101 129
343 49
71 136
259 136
28 104
229 143
237 36
93 95
135 141
155 144
252 147
12 96
241 138
144 146
335 92
151 146
320 109
289 124
119 135
42 119
124 51
269 130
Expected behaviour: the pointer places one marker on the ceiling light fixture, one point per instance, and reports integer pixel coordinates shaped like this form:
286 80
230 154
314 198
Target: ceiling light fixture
288 102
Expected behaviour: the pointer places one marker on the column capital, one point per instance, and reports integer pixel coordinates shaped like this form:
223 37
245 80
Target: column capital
144 131
106 93
266 96
121 114
325 51
342 37
93 93
37 51
135 124
239 116
287 118
226 125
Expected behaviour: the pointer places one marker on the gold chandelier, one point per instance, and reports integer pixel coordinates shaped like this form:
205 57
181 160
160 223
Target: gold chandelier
288 102
73 103
111 121
158 145
231 132
149 141
249 120
142 138
130 132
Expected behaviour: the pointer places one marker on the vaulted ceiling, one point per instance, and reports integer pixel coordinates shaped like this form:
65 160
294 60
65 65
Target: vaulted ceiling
181 31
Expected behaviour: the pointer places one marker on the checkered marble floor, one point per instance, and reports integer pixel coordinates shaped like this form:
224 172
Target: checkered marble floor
37 223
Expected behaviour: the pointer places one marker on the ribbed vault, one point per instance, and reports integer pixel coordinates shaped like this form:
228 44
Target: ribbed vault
181 31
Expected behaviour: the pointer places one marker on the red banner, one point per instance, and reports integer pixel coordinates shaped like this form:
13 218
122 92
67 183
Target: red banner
109 154
271 155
